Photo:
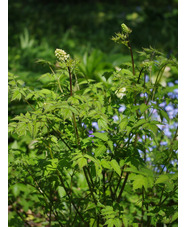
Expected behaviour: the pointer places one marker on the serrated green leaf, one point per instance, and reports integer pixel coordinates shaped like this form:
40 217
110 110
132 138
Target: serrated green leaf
100 150
126 72
102 124
91 158
92 113
61 191
151 127
87 90
82 162
30 95
174 217
36 127
162 179
21 82
102 136
110 143
116 166
91 206
105 164
15 190
53 165
123 124
83 82
73 110
139 181
73 100
67 113
21 128
77 156
54 139
98 170
16 95
118 222
30 128
139 123
165 115
128 129
110 222
107 210
143 107
45 91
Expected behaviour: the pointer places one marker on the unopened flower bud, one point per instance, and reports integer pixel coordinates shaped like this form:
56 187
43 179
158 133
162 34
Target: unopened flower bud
125 29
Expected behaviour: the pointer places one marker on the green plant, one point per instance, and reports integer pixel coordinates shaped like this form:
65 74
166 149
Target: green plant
25 40
77 161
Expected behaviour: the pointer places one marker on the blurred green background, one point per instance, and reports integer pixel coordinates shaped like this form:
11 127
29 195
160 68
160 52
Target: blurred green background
38 27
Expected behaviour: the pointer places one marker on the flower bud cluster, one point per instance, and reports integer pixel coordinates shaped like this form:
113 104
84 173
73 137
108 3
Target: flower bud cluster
125 29
123 37
61 55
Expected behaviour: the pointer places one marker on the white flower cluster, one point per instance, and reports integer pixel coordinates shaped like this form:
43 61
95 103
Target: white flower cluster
121 92
61 55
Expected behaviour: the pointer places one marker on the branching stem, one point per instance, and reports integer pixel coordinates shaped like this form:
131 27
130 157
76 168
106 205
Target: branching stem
123 187
66 190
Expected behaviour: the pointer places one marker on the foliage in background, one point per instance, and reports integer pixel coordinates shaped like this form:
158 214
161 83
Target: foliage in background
96 152
79 26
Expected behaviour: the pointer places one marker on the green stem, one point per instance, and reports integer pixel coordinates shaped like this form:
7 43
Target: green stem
128 142
77 211
132 58
37 185
171 149
90 188
119 181
103 173
133 71
161 194
60 88
73 116
47 200
61 134
78 142
28 103
175 188
142 210
140 75
90 176
20 215
50 150
123 187
158 78
70 77
112 193
109 185
76 130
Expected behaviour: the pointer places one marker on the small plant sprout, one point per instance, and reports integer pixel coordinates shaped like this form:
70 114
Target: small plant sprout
123 38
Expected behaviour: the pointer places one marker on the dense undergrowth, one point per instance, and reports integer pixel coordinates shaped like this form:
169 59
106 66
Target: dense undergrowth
93 139
96 145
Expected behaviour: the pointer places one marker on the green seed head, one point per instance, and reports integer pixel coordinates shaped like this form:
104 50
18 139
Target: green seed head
61 55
